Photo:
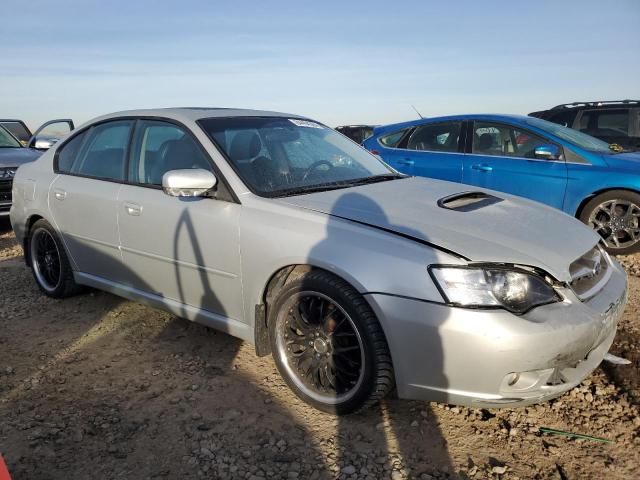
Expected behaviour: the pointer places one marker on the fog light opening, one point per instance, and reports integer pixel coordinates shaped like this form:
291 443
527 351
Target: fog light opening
513 379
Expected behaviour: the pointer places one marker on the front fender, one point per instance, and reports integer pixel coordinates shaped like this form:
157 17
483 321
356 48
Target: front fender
372 261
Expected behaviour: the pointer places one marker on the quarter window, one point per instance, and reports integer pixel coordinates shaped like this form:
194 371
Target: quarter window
440 137
392 139
504 140
102 155
160 147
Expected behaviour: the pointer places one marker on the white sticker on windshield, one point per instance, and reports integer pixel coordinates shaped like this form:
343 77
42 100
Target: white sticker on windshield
305 123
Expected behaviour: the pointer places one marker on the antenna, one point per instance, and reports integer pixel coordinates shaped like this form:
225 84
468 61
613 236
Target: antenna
419 114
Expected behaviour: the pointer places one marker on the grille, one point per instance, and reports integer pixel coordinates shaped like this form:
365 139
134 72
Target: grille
5 196
590 273
7 173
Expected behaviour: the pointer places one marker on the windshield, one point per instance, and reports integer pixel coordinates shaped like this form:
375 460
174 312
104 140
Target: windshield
278 156
7 140
580 139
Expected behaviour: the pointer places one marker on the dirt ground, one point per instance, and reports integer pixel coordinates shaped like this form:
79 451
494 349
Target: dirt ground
99 387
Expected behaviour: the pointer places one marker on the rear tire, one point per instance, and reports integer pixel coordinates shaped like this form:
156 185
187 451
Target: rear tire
328 345
615 216
49 262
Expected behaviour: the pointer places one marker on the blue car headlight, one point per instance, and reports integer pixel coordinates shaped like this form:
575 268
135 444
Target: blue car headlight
477 287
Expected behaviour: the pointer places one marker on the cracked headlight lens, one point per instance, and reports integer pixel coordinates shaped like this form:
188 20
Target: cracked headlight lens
513 290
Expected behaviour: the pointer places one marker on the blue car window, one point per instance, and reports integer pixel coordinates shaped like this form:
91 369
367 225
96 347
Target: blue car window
575 137
504 140
392 139
439 137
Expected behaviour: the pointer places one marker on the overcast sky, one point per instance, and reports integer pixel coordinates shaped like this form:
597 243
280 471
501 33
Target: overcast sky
339 62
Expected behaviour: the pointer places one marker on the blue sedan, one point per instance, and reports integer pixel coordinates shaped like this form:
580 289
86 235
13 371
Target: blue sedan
574 172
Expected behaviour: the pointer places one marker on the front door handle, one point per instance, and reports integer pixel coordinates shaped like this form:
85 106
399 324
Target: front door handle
406 161
482 167
59 194
133 209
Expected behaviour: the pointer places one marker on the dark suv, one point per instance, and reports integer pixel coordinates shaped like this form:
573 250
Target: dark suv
615 122
357 133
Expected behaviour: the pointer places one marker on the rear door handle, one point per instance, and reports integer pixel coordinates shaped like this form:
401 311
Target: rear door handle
59 194
406 161
133 209
482 167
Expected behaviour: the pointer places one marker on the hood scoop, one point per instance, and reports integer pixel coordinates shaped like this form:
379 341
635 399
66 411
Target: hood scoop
468 201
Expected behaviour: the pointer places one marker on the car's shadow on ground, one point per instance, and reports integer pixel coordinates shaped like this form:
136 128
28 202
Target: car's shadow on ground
102 386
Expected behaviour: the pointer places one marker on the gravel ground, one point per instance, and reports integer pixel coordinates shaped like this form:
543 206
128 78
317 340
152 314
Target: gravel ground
96 386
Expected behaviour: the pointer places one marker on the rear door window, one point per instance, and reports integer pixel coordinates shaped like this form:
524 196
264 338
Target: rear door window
605 122
103 154
67 154
439 137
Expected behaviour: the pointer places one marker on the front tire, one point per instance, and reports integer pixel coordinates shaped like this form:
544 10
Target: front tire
615 216
328 345
49 262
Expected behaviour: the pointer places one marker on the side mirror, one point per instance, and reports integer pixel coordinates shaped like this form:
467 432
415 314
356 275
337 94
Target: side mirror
547 152
44 143
190 182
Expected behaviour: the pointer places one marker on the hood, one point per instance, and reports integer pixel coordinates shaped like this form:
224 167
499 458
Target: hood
14 157
507 229
626 160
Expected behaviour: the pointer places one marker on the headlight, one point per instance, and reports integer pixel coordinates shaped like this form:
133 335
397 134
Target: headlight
516 291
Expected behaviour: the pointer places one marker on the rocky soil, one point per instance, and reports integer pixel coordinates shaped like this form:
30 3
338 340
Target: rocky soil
98 387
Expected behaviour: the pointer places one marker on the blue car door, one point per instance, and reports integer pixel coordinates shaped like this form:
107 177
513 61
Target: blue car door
433 150
501 157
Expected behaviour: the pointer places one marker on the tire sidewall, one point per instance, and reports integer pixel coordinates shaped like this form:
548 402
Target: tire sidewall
342 298
65 268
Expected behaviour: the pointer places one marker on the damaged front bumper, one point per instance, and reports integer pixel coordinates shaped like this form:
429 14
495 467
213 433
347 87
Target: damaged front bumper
493 358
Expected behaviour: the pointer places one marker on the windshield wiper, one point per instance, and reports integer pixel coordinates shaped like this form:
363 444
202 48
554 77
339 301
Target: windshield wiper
312 188
341 184
377 178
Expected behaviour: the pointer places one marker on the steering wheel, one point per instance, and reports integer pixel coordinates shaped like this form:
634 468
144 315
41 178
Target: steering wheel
315 165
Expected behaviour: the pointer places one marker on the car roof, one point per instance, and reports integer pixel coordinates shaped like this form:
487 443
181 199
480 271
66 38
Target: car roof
194 113
470 116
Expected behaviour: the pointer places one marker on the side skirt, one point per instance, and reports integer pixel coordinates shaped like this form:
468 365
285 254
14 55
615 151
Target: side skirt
204 317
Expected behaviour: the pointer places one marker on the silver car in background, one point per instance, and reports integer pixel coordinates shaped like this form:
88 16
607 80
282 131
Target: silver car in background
357 279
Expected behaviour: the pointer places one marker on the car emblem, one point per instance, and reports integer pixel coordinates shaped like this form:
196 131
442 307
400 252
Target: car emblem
8 173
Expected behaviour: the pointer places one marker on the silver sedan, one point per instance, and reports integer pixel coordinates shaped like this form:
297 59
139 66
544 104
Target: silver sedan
357 279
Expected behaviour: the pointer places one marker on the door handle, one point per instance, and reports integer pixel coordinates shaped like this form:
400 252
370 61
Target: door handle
406 161
133 209
59 194
482 167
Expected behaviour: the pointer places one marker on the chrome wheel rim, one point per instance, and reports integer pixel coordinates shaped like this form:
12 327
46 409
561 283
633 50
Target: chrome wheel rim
320 347
617 222
45 259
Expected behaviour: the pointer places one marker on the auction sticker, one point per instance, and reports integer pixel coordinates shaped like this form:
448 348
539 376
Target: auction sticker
305 123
